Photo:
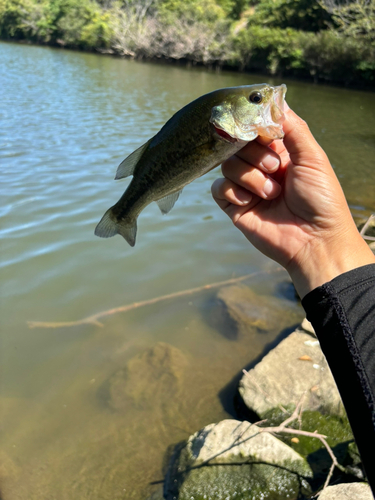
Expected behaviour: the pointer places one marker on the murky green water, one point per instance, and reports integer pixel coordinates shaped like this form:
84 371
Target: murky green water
67 120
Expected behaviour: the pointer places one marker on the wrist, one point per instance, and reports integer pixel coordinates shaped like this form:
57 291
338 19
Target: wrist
323 259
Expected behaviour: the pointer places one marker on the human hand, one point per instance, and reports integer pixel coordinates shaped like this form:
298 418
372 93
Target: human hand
288 202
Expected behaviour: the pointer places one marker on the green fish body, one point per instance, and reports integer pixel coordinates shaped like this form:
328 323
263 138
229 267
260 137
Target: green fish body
195 140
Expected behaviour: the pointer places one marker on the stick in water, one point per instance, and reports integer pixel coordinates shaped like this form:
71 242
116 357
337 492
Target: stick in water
94 319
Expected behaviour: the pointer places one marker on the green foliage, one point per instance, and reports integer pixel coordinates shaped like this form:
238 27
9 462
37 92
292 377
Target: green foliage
273 48
354 19
66 22
15 17
306 15
207 11
333 56
327 55
327 40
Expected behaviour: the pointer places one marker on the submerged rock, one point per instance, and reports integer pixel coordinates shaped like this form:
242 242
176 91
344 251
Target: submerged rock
234 460
352 491
157 495
149 379
296 366
251 312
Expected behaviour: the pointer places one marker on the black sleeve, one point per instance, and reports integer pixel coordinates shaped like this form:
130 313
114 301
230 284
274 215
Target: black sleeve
342 313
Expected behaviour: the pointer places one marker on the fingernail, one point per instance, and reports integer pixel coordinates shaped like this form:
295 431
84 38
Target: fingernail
243 197
271 188
270 163
286 107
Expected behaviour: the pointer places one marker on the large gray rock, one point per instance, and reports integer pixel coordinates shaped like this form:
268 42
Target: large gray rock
225 460
296 366
347 491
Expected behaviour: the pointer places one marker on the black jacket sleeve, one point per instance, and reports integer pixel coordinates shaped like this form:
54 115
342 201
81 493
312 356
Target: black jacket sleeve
342 313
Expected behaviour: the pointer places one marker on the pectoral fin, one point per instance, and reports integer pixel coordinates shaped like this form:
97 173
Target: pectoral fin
166 204
127 166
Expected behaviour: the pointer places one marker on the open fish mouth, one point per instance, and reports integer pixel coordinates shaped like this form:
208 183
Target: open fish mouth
277 107
224 135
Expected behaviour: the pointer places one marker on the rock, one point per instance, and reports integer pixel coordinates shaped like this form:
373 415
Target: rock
157 495
250 311
307 327
225 460
8 469
297 365
352 491
148 379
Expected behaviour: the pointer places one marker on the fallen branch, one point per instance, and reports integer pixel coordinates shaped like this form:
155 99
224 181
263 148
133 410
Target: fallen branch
94 319
282 428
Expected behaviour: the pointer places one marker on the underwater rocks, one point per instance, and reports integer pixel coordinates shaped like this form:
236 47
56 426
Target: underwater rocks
295 367
352 491
150 378
232 460
251 312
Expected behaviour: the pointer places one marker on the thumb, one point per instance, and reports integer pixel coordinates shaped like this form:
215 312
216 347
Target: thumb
302 147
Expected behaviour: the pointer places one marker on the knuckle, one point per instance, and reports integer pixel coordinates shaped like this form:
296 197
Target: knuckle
215 187
226 167
302 123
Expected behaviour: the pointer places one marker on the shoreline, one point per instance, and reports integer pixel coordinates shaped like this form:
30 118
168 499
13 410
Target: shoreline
189 64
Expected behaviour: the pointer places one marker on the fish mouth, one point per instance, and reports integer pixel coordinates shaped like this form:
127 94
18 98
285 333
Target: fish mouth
277 109
273 115
224 135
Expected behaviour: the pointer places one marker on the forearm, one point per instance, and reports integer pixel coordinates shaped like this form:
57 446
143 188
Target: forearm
342 312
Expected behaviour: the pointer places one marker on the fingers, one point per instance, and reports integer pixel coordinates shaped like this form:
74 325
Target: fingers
227 192
260 156
253 179
232 198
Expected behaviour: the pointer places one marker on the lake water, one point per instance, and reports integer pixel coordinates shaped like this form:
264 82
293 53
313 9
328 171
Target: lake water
67 120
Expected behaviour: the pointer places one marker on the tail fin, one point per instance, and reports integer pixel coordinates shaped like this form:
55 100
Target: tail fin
110 225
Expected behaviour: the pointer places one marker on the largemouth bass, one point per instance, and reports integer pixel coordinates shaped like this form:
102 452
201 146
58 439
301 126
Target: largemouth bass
195 140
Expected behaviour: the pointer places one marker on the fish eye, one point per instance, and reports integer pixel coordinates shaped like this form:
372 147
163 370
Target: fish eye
256 97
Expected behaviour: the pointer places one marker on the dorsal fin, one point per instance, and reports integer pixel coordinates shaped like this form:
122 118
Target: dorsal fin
127 166
166 204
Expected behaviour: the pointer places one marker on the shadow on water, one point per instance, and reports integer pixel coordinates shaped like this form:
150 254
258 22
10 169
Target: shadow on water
229 395
217 317
286 290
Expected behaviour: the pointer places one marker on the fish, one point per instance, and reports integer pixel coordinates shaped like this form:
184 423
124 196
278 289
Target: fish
196 139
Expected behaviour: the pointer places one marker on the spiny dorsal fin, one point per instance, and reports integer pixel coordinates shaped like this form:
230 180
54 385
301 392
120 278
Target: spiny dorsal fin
127 166
166 204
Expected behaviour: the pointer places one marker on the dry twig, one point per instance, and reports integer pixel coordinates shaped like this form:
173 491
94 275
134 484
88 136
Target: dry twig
282 428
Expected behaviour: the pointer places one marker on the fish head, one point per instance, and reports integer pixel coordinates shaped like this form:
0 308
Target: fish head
248 111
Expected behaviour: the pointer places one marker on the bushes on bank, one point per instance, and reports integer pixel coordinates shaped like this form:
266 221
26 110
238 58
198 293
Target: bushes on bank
320 39
325 55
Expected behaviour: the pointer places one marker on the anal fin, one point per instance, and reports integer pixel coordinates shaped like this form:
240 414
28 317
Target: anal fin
167 203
